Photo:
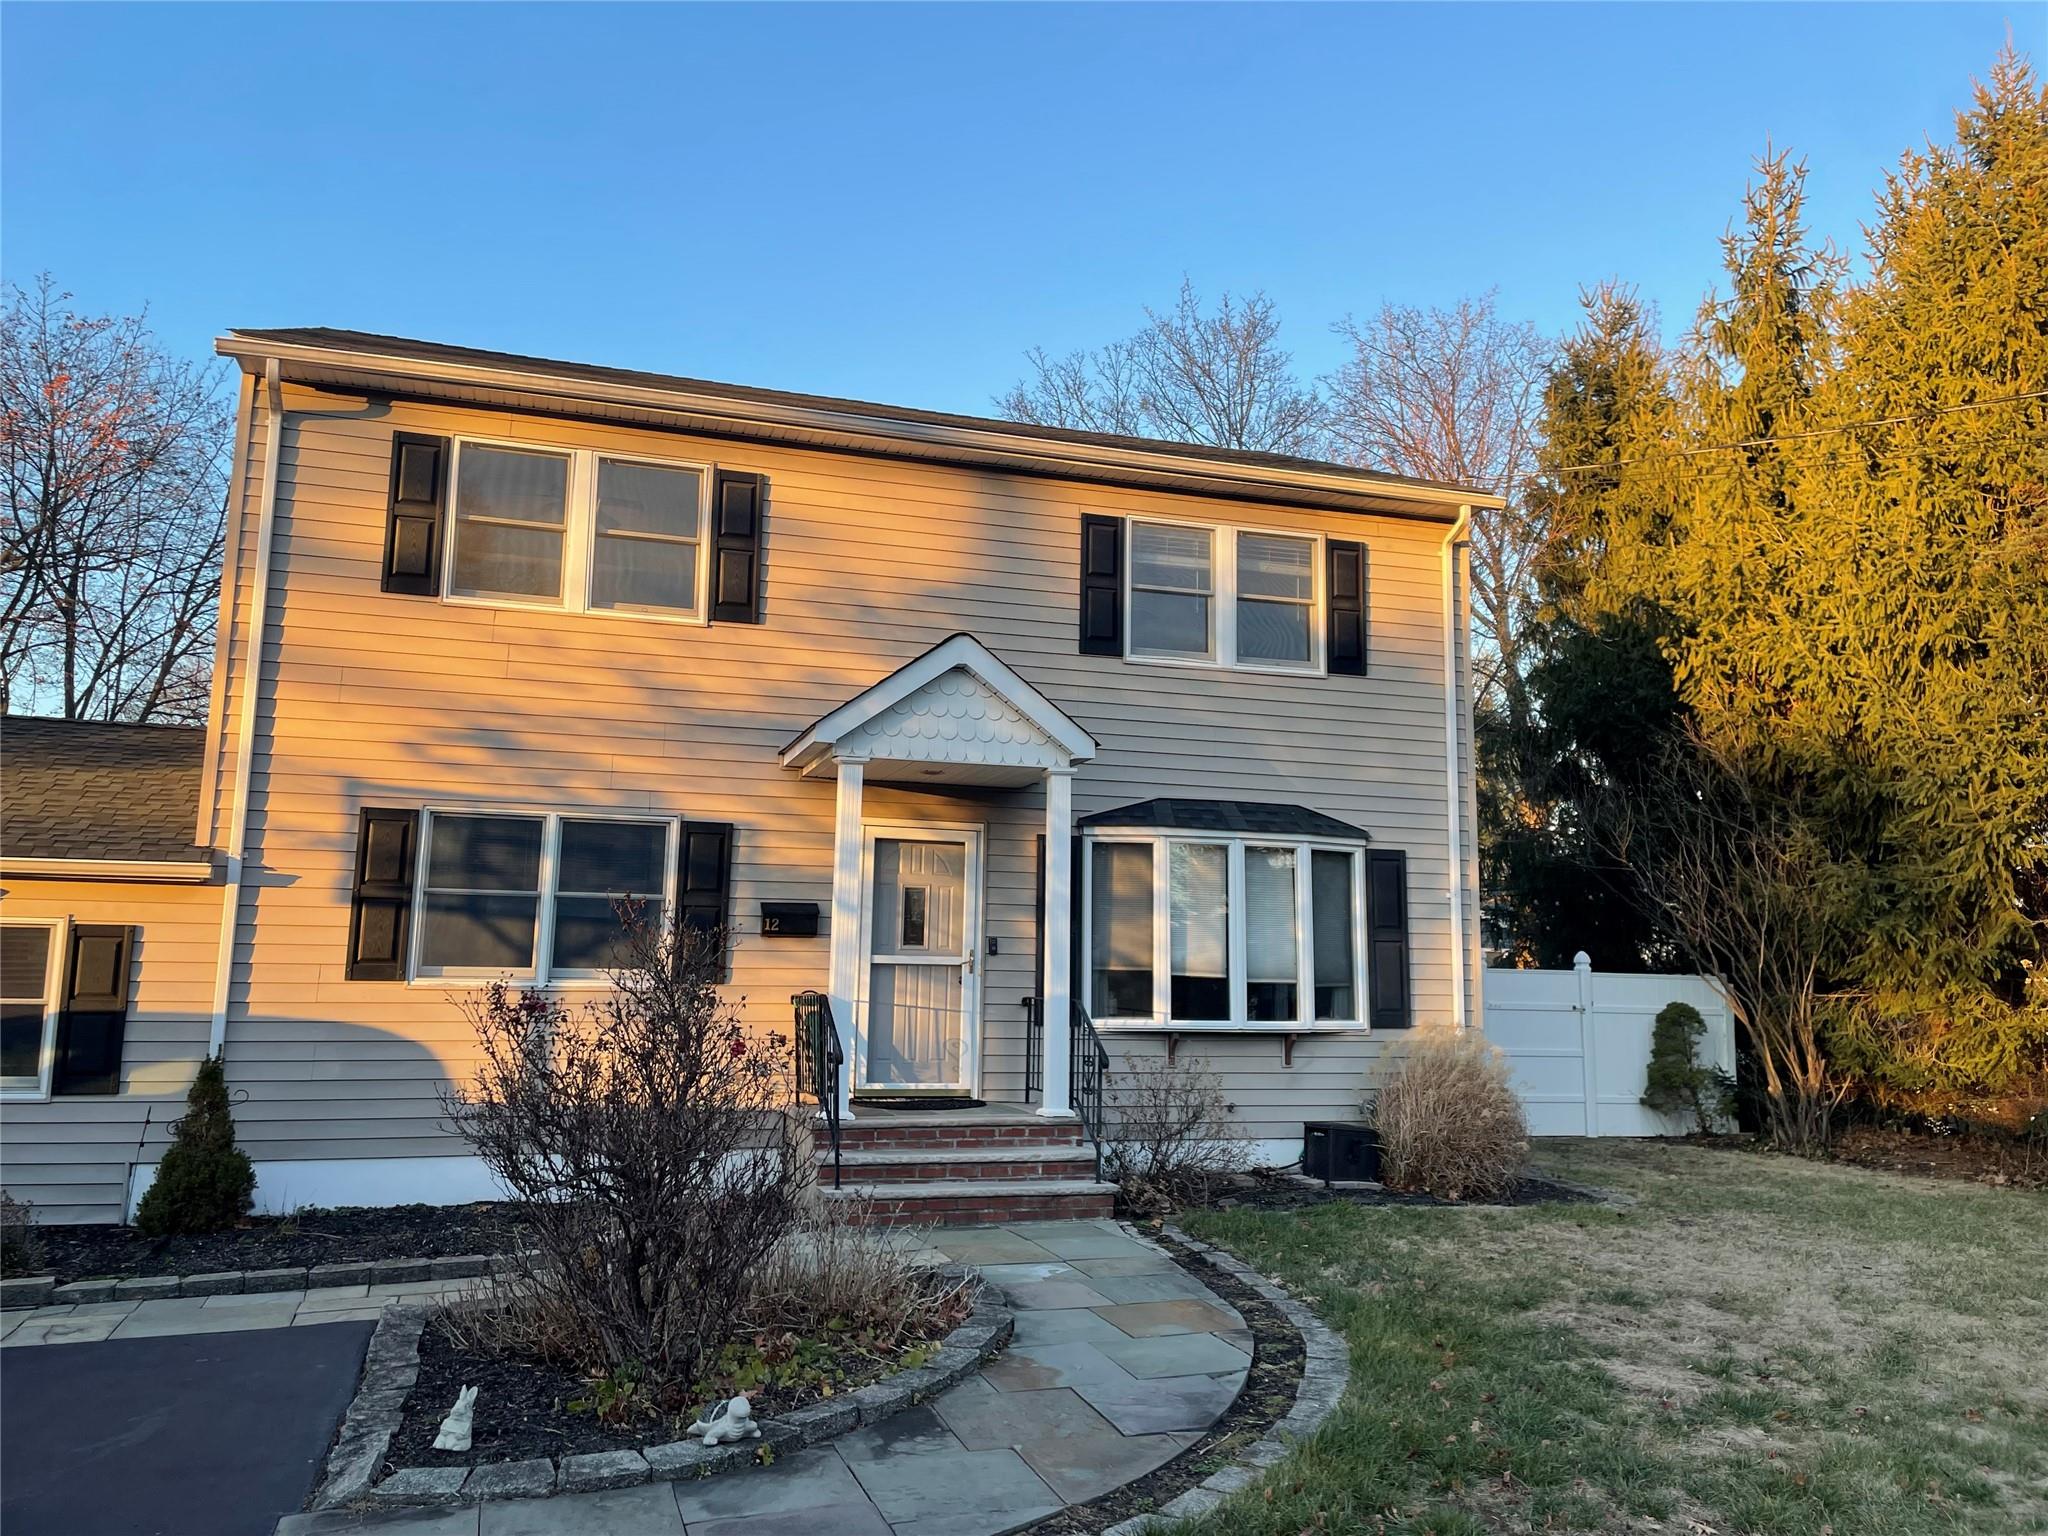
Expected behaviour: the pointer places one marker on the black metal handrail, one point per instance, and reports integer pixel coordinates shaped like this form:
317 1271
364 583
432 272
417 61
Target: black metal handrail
1089 1059
819 1061
1088 1067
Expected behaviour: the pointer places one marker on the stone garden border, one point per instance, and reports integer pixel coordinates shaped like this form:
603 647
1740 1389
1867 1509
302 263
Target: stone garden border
44 1291
1325 1373
391 1367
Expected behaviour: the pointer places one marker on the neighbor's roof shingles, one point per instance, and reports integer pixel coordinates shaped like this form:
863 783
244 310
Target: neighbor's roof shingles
83 789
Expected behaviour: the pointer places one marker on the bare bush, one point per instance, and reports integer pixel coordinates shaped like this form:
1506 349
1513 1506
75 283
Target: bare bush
1169 1132
21 1251
1449 1120
647 1140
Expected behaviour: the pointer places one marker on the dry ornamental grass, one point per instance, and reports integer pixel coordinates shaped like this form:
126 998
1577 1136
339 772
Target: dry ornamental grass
1449 1120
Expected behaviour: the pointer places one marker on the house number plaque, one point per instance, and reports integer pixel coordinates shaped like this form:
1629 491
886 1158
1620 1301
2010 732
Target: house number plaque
789 919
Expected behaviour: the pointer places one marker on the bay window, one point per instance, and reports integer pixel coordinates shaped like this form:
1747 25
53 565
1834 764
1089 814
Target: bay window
537 897
1226 597
1248 932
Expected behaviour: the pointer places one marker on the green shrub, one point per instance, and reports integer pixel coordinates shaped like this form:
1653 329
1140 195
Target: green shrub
1679 1083
205 1182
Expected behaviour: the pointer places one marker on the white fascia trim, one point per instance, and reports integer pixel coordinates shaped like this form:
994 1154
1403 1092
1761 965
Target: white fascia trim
816 419
965 653
136 871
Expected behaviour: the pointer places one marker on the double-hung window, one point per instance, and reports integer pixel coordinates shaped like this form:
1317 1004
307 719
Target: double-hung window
577 529
29 954
538 897
1223 932
1236 597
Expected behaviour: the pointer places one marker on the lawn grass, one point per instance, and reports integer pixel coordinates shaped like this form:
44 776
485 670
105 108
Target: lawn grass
1750 1344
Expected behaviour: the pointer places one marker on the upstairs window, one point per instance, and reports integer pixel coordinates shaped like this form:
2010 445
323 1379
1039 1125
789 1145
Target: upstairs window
578 530
1217 933
1224 597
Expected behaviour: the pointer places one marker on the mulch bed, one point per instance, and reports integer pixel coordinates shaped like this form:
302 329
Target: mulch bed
522 1406
1271 1192
1268 1396
1987 1159
280 1242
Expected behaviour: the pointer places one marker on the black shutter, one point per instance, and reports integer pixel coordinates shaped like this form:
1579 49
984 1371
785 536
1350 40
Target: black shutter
704 876
1386 937
419 492
1038 941
1077 973
736 547
1102 585
1347 608
380 908
94 1024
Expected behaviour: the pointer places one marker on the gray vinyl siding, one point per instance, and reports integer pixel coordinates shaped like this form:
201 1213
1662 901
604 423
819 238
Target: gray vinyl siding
371 699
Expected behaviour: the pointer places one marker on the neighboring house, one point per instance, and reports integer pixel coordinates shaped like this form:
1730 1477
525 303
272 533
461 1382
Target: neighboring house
941 716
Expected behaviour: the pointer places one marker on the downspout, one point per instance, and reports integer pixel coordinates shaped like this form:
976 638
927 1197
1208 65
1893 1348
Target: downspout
245 718
1454 790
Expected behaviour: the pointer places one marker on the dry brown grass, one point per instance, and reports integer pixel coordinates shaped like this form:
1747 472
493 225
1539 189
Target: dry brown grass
1449 1120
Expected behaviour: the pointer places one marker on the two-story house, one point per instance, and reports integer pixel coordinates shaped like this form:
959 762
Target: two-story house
958 722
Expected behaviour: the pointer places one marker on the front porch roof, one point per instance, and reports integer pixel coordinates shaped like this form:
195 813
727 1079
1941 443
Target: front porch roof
955 715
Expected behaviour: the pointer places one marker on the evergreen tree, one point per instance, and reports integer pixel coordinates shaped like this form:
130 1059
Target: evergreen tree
205 1181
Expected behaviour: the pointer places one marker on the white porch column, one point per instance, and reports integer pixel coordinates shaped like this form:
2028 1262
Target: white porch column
846 858
1057 990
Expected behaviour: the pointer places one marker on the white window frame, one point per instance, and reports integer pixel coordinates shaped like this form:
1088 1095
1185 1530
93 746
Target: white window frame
541 973
579 534
1223 599
21 1091
1304 1021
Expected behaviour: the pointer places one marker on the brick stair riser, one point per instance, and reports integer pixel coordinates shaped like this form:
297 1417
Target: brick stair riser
935 1138
965 1168
977 1210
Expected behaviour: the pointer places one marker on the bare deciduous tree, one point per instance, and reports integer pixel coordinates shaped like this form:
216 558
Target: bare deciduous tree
1456 394
1187 377
1750 895
115 457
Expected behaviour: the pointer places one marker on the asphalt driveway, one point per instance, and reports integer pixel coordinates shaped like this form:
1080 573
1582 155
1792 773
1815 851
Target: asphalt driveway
204 1434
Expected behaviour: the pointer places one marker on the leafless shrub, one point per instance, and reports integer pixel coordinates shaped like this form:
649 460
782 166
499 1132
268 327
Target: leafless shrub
1449 1120
835 1272
647 1140
21 1251
1169 1132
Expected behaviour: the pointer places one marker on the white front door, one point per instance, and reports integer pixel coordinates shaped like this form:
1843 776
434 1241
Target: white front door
921 994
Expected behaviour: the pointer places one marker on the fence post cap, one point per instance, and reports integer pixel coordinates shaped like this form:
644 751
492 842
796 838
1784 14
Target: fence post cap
1582 961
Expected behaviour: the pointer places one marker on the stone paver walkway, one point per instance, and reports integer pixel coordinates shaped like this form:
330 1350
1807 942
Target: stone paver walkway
1119 1362
89 1322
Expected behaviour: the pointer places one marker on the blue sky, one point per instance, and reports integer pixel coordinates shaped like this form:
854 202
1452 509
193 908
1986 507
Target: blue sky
896 202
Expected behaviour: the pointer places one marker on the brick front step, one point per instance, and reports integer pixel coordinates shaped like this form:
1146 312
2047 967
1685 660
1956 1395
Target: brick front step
898 1165
975 1202
935 1135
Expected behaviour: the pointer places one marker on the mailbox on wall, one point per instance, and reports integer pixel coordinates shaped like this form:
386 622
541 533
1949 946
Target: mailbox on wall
789 919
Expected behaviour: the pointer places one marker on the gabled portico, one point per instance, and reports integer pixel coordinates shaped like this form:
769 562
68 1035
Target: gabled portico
955 717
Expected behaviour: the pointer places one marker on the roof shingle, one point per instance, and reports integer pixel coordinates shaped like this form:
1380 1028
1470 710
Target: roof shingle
85 789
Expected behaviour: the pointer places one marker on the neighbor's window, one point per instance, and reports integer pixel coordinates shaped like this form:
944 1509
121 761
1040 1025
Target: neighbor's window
1238 597
578 530
500 892
1247 932
28 1007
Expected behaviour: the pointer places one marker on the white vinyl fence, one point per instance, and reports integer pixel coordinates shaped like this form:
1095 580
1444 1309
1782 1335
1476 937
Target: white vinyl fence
1579 1041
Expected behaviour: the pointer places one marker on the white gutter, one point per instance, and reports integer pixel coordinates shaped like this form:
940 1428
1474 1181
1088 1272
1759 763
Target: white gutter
810 418
245 722
1454 792
137 871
